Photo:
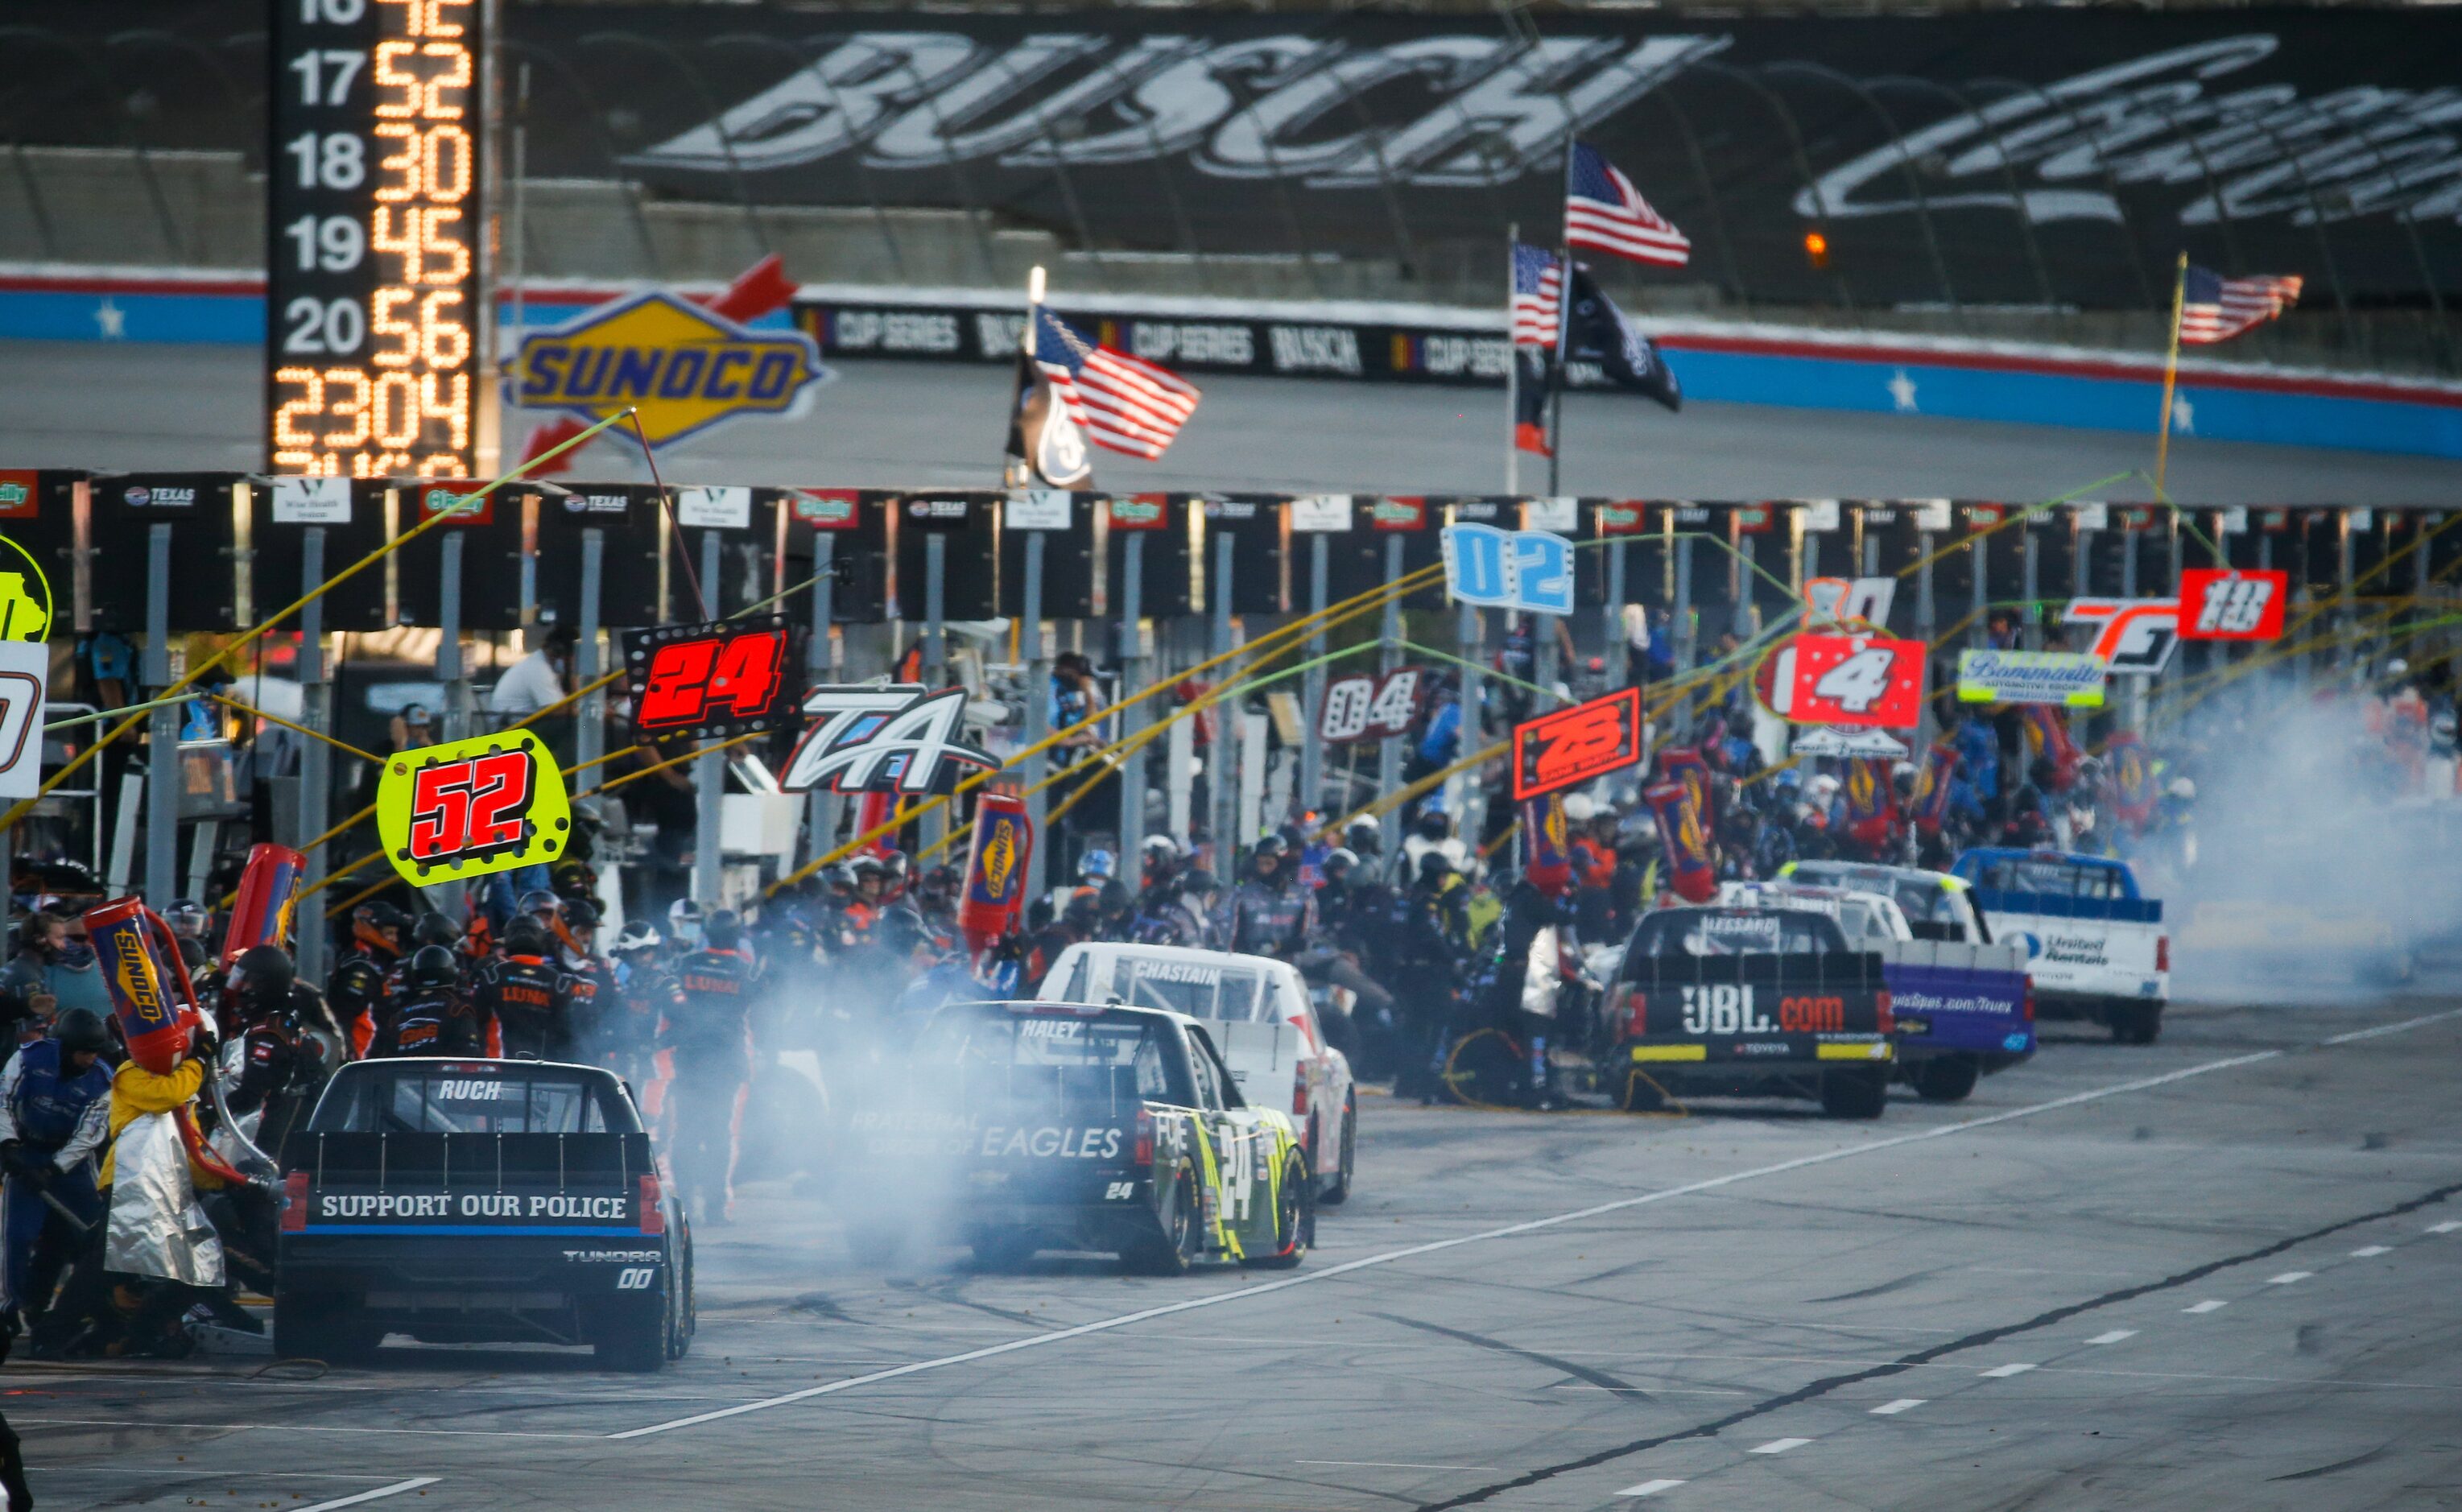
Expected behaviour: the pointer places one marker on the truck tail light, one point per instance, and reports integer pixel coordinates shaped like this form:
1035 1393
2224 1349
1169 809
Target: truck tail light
1888 1015
2030 999
1636 1014
294 1203
1143 1151
2161 952
654 1213
1299 1092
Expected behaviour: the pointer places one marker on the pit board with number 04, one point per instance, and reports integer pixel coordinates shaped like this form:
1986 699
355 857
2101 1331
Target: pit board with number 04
1362 708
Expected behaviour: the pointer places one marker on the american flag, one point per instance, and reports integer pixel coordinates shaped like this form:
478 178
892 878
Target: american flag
1538 296
1605 213
2216 309
1121 402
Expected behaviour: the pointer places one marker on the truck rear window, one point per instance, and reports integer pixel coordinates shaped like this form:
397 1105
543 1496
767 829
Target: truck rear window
384 1099
1923 899
1199 990
2053 878
1696 933
1066 1058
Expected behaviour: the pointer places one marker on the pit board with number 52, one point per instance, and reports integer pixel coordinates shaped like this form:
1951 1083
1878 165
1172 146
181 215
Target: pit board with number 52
468 807
1870 680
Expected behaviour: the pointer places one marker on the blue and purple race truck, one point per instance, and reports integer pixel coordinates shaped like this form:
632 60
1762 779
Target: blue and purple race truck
1963 1002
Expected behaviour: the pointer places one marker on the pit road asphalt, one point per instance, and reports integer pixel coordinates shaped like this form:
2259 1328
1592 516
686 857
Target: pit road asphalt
2225 1270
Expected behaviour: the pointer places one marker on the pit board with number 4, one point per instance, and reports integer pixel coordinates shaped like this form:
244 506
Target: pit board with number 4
1361 707
1870 680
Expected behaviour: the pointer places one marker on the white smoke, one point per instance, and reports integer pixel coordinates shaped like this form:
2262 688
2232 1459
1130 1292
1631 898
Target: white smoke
2318 863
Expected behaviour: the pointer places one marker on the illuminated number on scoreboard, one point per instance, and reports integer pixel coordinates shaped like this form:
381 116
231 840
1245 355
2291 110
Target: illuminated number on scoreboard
374 315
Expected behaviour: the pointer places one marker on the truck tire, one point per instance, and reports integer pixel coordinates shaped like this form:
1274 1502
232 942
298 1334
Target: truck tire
1854 1094
874 1244
1004 1249
1945 1078
1339 1192
1294 1216
682 1314
1173 1247
2136 1022
630 1334
321 1325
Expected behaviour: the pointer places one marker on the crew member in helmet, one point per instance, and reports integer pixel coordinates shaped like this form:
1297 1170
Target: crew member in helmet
1270 915
357 984
684 925
431 1016
435 929
522 997
44 1093
588 976
189 922
708 1030
290 1044
643 994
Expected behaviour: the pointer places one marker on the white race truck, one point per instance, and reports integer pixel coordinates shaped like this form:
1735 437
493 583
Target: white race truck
1261 1015
2095 946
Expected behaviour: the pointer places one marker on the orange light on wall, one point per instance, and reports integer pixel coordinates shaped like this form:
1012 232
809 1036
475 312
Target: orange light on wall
1816 249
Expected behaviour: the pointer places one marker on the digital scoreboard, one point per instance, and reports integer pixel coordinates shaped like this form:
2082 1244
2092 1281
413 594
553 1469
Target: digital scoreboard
375 330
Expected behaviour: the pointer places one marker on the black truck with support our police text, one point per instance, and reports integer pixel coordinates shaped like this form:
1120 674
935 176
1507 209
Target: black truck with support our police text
481 1201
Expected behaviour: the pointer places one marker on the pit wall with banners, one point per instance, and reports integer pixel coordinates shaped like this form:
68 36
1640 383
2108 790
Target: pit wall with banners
1722 561
1794 367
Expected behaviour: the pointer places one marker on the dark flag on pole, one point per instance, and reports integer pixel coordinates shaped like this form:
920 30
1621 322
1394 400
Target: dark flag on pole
1046 449
1530 399
1597 333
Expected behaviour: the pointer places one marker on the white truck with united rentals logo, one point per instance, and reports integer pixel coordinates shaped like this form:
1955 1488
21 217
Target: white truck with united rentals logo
2095 948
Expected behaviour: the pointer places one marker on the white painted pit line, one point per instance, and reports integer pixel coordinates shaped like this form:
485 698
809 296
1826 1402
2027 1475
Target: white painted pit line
2114 1336
1649 1488
2288 1276
2446 1227
1507 1231
1778 1446
2371 1251
1901 1405
378 1495
2001 1373
2209 1305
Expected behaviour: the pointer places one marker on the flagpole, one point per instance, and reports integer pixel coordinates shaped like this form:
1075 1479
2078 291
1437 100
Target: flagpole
1020 472
1512 369
2171 373
1563 325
